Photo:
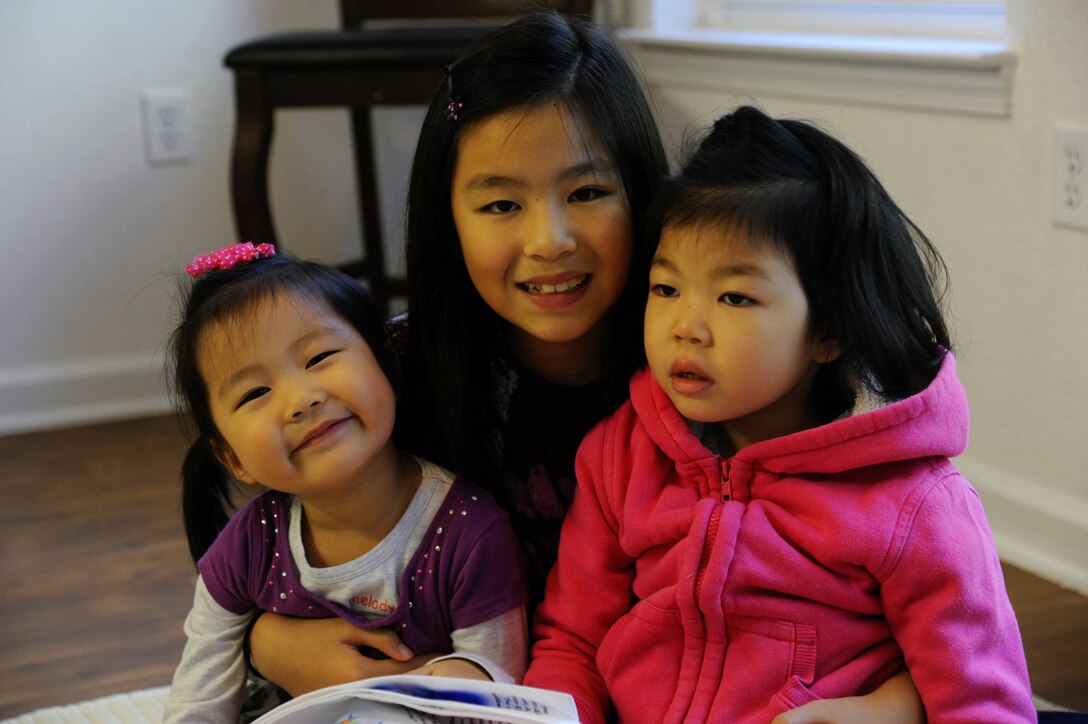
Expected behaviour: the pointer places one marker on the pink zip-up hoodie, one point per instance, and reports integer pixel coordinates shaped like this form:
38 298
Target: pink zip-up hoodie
693 588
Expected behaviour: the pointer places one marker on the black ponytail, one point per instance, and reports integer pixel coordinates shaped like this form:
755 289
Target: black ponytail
206 488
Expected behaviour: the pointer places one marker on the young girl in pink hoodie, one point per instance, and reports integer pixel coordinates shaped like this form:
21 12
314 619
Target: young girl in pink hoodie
773 517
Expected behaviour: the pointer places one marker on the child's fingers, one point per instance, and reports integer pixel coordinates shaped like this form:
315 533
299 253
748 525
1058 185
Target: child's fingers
848 710
381 639
427 670
812 713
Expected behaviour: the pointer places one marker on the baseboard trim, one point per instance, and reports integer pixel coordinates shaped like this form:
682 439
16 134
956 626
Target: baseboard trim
1035 528
84 392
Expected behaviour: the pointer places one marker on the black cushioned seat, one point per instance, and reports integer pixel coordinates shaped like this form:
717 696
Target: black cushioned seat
321 50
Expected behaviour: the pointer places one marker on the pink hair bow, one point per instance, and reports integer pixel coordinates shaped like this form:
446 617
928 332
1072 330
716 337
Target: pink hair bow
228 256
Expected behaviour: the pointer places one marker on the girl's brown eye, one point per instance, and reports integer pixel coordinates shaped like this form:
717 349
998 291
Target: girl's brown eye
253 395
587 194
736 300
319 358
663 290
501 207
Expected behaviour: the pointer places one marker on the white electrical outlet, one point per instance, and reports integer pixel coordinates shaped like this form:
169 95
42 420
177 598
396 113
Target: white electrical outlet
1071 177
168 125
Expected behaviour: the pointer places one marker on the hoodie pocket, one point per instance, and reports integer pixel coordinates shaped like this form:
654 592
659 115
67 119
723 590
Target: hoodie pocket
640 660
769 665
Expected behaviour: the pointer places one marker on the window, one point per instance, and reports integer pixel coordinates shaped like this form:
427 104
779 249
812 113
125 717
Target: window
934 54
952 19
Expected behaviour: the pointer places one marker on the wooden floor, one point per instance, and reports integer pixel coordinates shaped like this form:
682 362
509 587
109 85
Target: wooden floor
97 578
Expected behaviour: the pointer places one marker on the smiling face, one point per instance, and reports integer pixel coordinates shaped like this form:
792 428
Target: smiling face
544 225
727 334
299 399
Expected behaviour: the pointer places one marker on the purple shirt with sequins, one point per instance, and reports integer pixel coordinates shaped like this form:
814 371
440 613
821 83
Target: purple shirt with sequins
467 570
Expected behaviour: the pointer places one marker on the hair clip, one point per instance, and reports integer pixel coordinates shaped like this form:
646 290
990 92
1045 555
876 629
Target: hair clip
454 108
227 257
455 104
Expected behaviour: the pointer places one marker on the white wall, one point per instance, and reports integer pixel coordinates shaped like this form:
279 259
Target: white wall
981 188
92 239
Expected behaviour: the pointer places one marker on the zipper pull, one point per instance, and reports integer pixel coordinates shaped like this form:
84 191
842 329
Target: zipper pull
727 488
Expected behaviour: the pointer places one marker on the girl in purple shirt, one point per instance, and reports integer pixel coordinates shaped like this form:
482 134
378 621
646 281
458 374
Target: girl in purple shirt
286 371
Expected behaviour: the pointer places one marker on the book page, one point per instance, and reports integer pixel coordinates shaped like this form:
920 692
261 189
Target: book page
426 700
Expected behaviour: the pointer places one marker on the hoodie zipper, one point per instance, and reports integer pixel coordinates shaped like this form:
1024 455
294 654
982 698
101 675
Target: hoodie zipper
712 525
708 545
727 487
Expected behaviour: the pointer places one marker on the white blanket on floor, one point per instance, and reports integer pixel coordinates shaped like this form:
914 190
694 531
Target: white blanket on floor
135 707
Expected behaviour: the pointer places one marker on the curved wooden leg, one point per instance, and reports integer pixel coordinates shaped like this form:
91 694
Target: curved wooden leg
249 160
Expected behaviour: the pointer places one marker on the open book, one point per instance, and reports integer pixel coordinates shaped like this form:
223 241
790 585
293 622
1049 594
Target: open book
426 700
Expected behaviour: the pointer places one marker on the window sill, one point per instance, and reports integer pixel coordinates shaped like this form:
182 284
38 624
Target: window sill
972 77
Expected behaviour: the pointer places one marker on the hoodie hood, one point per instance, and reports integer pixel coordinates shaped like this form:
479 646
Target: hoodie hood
934 422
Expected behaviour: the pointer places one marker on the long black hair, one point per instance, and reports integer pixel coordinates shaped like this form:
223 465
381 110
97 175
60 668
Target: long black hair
873 280
541 58
232 294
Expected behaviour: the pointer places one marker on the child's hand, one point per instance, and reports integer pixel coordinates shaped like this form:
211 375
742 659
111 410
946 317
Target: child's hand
302 655
453 668
896 701
830 711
